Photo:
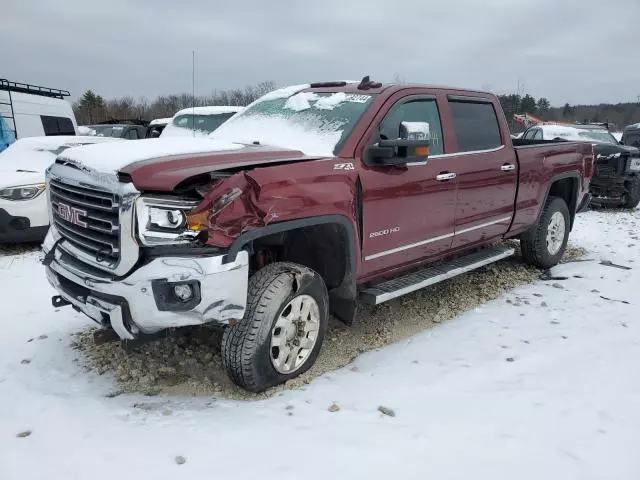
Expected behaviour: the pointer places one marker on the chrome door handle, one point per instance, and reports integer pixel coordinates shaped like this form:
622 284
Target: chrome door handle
507 167
445 176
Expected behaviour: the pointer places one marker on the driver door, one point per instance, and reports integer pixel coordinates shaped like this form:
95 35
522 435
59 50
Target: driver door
408 210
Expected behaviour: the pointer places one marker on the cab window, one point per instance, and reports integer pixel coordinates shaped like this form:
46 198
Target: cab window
425 110
476 125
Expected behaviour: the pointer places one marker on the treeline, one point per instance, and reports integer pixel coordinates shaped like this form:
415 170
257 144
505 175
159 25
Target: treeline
92 108
617 115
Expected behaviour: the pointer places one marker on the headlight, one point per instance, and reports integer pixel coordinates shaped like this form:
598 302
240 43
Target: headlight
164 221
23 192
634 164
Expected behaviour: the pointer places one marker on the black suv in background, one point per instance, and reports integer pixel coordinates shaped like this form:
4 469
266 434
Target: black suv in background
631 135
616 180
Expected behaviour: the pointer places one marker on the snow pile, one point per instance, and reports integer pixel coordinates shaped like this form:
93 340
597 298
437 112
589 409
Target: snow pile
82 130
329 102
160 121
300 101
312 135
110 158
284 92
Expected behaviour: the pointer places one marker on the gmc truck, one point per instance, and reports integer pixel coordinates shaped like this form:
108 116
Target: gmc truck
315 199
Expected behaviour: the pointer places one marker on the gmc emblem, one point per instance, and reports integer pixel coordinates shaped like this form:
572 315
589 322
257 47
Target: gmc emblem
72 214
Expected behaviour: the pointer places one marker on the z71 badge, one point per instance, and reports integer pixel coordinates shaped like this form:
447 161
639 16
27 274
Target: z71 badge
344 166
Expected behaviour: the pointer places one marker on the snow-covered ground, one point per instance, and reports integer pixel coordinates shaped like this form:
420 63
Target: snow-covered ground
543 383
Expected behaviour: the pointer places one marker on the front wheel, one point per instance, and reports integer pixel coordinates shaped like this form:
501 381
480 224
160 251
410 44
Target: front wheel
632 197
545 246
282 330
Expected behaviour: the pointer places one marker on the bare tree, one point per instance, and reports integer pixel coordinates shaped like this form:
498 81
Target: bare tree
94 108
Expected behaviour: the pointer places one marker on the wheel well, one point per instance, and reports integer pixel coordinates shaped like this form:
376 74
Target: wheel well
325 244
320 247
567 189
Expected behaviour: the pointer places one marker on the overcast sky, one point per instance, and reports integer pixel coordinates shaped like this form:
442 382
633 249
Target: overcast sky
576 51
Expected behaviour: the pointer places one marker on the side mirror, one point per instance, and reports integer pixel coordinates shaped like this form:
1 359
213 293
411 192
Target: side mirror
155 134
412 145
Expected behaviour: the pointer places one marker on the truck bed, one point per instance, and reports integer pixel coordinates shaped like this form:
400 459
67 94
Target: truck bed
539 163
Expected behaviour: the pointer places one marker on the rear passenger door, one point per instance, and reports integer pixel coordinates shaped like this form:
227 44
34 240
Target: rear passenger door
486 170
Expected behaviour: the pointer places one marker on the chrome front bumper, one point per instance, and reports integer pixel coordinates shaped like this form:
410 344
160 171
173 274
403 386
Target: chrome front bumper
136 304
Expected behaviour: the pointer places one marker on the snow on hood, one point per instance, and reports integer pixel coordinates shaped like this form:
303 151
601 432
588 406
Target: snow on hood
110 158
26 160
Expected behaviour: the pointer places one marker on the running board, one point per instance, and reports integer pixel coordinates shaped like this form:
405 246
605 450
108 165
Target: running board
397 287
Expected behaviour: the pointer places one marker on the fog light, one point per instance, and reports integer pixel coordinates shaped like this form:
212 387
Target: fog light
183 292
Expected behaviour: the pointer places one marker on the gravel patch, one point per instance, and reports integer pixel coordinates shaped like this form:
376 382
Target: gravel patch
188 362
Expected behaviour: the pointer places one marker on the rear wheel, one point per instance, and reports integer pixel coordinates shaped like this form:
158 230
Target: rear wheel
632 197
545 246
283 328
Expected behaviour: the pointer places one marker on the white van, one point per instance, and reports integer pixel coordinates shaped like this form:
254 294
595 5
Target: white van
32 111
198 121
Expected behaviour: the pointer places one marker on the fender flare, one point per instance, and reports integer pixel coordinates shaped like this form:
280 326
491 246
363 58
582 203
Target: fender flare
562 176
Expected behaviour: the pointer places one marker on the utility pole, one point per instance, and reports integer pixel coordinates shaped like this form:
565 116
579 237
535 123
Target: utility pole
193 91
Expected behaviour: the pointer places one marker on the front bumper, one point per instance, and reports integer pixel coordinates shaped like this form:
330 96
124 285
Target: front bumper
138 304
18 229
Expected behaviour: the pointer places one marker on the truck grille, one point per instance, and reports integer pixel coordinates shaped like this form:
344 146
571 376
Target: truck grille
87 218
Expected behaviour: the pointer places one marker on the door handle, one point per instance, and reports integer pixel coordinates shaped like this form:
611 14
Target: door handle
507 167
444 176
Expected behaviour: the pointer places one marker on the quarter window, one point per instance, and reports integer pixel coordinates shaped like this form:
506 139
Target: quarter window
57 125
476 125
415 111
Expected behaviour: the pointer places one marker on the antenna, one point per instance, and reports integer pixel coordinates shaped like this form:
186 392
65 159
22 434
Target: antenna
193 92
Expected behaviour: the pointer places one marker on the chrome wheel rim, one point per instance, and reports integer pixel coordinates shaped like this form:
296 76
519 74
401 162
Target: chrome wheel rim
294 334
555 233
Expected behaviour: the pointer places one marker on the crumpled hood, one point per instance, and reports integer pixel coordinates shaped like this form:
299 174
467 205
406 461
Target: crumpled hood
161 164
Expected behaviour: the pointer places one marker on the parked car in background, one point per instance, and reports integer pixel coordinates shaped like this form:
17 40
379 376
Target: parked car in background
315 199
124 129
198 121
24 216
631 135
33 111
157 126
616 180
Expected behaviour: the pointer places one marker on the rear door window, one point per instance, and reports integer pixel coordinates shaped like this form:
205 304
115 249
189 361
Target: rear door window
476 125
414 111
57 125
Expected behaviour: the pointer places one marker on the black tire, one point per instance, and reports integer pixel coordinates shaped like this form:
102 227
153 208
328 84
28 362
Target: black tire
534 244
632 197
246 352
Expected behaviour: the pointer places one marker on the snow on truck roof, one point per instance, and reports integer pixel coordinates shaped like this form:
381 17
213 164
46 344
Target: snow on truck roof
213 110
160 121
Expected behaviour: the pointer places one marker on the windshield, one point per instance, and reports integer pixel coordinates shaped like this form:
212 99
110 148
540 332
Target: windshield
108 130
203 123
601 136
314 123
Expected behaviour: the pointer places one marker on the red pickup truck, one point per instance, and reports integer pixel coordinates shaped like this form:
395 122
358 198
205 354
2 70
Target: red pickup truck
314 199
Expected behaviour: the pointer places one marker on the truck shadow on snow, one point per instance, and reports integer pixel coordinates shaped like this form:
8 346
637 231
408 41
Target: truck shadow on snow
188 363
